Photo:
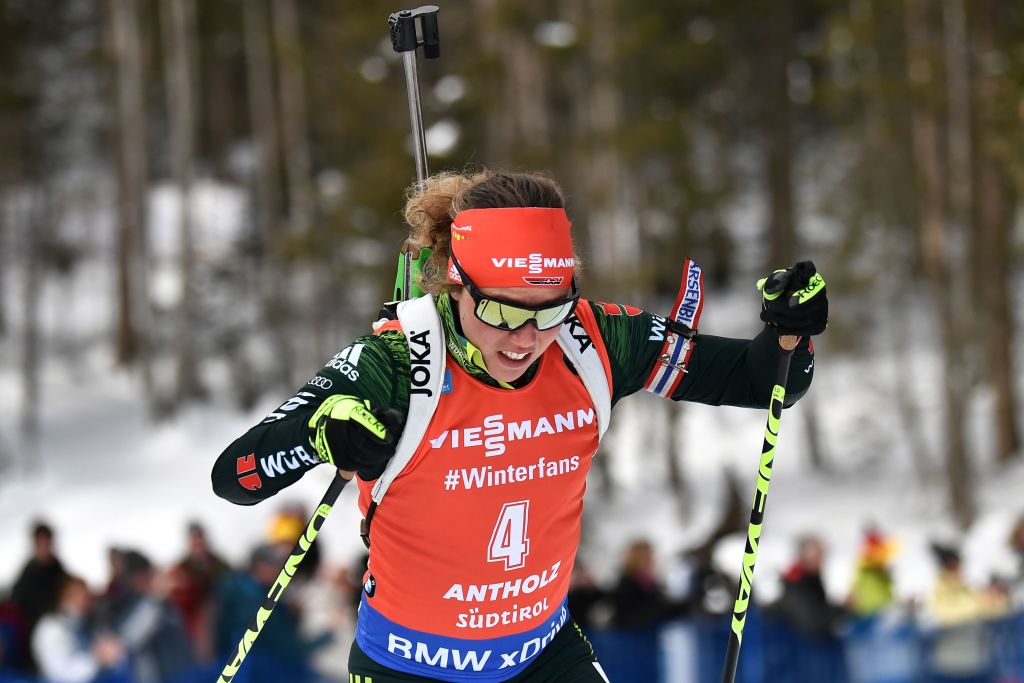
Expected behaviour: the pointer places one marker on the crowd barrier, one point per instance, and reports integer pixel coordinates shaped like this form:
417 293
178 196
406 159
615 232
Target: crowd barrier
879 650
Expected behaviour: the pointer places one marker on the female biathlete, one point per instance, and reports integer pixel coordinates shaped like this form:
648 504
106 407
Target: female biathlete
471 416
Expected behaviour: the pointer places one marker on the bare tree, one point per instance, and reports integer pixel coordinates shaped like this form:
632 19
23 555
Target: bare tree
265 130
778 134
297 166
613 236
294 127
179 31
5 249
36 228
993 246
674 454
936 238
132 174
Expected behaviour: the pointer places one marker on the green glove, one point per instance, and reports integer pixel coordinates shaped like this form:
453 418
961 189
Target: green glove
352 436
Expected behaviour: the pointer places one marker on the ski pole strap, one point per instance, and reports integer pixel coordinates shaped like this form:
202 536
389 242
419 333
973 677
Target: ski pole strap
682 325
764 476
283 579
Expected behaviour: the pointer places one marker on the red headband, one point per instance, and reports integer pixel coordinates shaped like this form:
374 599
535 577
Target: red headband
512 247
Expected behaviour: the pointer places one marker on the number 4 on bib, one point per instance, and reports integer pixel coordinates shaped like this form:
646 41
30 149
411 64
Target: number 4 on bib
509 543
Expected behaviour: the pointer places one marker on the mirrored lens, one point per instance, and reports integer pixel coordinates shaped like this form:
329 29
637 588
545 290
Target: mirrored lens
554 316
508 317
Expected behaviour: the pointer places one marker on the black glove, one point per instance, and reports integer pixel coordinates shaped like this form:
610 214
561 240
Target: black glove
794 300
350 435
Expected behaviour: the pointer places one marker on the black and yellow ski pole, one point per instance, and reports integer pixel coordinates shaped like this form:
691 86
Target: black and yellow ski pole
764 477
283 579
409 30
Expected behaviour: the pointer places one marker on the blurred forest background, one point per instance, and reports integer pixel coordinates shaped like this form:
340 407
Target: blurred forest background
880 138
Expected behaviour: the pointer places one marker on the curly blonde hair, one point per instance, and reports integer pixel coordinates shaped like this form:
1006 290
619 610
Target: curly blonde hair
429 213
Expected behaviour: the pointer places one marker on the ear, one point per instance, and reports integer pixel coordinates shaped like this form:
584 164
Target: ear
456 293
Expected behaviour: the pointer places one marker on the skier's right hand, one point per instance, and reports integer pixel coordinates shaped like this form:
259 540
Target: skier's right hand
352 436
794 300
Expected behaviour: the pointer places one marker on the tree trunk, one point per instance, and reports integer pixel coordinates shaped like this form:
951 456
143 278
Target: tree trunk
935 241
293 115
262 114
614 242
778 120
816 451
36 228
674 455
179 31
994 244
132 173
6 244
297 168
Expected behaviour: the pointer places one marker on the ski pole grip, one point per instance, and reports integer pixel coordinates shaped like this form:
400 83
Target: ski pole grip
406 38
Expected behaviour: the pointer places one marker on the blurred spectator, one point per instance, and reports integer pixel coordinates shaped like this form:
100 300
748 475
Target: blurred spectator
952 600
585 598
193 580
13 637
638 600
962 648
329 603
284 530
63 646
872 590
804 603
695 579
1016 543
151 628
35 591
282 649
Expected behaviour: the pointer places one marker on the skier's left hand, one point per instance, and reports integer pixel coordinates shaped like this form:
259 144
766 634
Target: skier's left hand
794 300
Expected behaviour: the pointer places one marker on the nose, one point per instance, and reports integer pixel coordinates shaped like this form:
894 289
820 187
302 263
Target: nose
525 335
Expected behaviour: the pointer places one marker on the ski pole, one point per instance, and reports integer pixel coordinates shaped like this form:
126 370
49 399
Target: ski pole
283 579
764 476
411 29
405 39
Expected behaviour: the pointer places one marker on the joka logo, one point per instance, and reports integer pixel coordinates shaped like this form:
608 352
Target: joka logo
370 585
579 333
346 360
419 362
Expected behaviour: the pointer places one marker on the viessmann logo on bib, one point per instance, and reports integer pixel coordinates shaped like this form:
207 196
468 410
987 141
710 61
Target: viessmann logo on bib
495 432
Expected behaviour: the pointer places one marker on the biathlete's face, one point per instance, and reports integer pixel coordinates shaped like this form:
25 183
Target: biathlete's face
508 353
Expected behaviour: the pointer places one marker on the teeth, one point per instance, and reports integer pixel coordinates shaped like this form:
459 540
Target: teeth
514 356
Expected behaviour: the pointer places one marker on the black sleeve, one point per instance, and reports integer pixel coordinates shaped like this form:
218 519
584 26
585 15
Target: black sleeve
720 370
276 452
741 372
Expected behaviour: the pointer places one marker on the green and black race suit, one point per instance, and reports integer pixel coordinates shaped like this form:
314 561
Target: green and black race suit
721 371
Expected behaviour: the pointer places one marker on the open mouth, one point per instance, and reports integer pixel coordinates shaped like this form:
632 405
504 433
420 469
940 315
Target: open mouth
514 356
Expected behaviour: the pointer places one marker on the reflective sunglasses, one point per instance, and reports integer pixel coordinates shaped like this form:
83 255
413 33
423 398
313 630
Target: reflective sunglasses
510 315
